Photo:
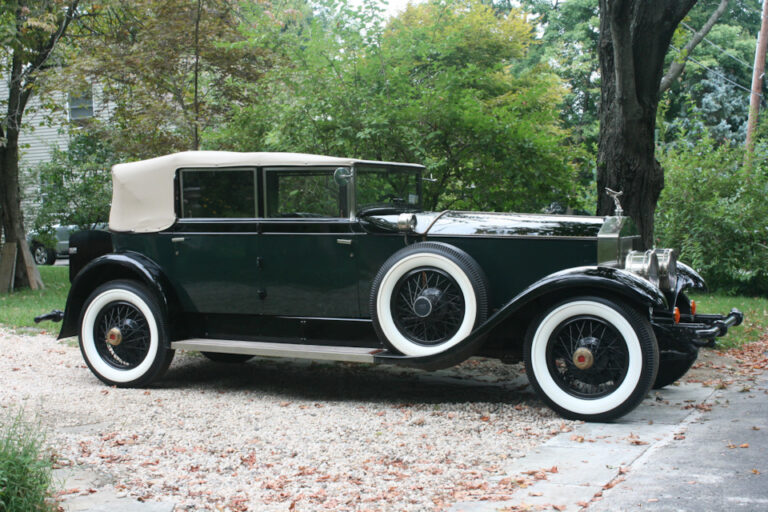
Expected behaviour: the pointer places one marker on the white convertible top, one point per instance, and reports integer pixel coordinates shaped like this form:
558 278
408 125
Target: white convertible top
142 192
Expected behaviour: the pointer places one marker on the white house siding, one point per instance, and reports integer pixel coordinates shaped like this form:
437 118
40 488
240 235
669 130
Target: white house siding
42 132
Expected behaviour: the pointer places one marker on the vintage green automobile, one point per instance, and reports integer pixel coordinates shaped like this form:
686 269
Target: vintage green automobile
304 256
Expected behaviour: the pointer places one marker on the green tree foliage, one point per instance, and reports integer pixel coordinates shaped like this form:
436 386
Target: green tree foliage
76 185
442 84
570 32
713 210
706 98
168 70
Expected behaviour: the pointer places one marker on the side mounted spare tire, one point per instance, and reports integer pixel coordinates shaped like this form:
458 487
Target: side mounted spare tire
427 298
591 358
123 334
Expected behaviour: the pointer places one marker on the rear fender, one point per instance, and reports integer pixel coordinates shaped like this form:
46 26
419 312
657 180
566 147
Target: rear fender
128 265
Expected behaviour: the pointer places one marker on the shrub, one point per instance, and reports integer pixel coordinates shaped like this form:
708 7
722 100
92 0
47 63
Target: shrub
25 475
713 209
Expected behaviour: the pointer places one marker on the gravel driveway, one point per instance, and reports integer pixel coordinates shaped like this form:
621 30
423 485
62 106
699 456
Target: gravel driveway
282 435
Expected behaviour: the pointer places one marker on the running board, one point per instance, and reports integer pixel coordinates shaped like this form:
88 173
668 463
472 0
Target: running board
263 348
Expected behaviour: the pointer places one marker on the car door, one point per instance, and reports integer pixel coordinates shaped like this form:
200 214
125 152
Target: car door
213 246
307 245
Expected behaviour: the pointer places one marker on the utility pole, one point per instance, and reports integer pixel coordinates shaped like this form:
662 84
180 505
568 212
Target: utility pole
757 80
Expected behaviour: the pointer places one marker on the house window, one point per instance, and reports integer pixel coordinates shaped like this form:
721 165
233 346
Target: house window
80 105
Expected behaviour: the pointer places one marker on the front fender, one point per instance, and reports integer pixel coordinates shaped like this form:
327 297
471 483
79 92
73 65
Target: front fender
688 278
127 265
586 280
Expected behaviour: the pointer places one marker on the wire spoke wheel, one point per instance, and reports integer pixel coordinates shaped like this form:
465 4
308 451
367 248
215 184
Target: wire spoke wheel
122 335
427 306
603 352
427 298
591 358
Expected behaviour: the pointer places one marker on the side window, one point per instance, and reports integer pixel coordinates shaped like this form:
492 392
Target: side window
302 193
217 193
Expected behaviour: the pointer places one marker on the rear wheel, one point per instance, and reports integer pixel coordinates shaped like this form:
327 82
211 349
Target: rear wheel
591 359
123 335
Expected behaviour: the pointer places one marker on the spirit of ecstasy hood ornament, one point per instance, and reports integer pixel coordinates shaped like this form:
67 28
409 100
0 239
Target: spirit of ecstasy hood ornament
615 196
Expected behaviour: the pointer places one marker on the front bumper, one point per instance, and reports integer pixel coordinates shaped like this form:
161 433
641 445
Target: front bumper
694 330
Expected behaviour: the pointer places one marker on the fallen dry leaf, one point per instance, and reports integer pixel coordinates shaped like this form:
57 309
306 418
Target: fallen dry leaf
613 483
744 445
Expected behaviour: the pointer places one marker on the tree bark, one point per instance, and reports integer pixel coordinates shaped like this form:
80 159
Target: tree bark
634 39
12 217
10 197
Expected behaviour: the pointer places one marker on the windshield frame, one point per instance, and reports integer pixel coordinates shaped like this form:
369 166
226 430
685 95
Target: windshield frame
413 169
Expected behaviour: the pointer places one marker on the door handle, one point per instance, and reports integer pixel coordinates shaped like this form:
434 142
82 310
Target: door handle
344 241
177 239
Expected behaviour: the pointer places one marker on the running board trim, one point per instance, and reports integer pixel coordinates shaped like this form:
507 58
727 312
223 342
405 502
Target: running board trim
263 348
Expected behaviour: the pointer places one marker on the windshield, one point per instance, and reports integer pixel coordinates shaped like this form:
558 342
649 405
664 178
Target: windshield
387 187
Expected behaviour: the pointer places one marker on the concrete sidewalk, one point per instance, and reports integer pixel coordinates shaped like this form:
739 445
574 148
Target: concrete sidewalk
680 450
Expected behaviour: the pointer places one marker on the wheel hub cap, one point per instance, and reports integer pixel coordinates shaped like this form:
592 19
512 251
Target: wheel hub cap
422 306
583 358
114 336
426 302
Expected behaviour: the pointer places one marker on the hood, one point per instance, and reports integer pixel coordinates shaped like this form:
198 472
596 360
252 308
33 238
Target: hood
499 224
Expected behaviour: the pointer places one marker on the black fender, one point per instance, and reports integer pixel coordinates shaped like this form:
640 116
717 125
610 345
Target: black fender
688 278
586 280
127 265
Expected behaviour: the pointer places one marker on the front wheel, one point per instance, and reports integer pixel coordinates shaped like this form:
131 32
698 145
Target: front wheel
123 335
591 358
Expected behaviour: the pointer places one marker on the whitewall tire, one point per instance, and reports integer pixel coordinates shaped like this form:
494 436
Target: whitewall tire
591 358
427 298
123 335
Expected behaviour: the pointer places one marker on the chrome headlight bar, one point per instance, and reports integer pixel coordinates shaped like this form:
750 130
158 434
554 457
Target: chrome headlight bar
645 264
659 266
667 268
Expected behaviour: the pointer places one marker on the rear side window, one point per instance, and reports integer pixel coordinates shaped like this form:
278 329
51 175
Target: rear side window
218 193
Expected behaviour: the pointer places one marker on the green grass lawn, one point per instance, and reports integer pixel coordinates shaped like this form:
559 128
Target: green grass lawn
19 309
755 311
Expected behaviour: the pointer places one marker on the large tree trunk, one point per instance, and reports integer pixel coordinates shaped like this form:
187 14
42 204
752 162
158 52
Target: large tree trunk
27 274
634 38
12 217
